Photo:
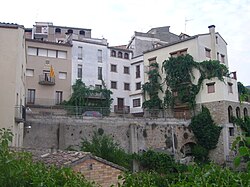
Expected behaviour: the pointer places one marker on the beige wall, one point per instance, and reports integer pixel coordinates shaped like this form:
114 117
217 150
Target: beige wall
46 94
12 78
196 48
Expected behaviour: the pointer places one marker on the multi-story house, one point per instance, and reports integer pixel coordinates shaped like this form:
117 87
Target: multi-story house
137 80
119 82
221 97
141 42
48 72
12 79
90 61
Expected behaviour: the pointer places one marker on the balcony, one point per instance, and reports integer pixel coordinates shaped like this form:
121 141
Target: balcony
46 80
19 114
121 109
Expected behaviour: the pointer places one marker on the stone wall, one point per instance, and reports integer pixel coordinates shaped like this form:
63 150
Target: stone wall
64 132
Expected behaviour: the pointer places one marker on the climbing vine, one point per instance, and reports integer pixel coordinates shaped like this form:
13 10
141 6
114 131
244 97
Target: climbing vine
152 88
206 133
180 78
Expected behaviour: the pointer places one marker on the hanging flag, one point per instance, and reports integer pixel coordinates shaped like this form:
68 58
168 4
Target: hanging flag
52 73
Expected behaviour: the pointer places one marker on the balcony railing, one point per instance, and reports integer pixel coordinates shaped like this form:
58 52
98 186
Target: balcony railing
46 80
121 110
20 113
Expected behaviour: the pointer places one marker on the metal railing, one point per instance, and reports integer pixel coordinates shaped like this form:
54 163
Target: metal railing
46 80
121 110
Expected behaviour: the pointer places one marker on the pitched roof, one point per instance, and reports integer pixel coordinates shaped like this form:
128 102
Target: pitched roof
61 158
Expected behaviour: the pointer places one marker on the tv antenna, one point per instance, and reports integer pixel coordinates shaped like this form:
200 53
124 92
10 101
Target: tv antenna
187 20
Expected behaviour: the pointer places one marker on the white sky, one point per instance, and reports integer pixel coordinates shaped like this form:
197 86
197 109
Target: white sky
116 20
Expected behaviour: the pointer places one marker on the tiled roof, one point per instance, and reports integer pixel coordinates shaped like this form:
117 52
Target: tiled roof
62 158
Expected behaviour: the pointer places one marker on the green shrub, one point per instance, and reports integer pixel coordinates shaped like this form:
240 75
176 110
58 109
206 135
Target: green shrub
104 146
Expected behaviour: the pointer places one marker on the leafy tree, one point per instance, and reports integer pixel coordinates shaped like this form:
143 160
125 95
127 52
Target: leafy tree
205 130
104 146
244 92
81 99
18 170
158 162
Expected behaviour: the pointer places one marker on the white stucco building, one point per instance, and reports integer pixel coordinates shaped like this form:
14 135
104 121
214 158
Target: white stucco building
119 82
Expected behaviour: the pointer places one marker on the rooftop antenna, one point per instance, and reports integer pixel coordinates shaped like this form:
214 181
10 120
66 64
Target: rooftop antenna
187 20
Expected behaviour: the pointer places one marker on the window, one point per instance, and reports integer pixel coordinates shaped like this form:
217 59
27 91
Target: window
238 112
136 102
119 54
113 53
126 70
138 86
208 52
32 51
97 86
113 84
230 114
59 97
99 55
99 73
62 75
126 56
210 87
52 53
42 52
137 72
230 87
222 58
216 39
113 68
62 54
79 52
126 86
178 53
70 31
82 32
31 96
231 131
79 71
218 56
58 30
29 72
245 112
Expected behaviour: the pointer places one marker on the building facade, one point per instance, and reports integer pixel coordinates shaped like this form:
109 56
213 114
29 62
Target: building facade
48 72
12 79
119 82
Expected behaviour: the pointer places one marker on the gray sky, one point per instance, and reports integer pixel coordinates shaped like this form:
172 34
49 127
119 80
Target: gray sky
116 20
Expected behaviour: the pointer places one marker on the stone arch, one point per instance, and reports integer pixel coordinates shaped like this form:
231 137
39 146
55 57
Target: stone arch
230 114
245 112
186 149
238 112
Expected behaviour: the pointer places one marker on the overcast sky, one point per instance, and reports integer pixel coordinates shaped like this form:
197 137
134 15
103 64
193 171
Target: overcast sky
116 20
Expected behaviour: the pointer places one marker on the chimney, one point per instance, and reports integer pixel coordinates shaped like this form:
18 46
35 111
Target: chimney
211 28
213 42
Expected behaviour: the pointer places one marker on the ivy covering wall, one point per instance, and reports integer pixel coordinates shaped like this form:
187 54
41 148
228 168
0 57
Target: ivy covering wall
179 81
